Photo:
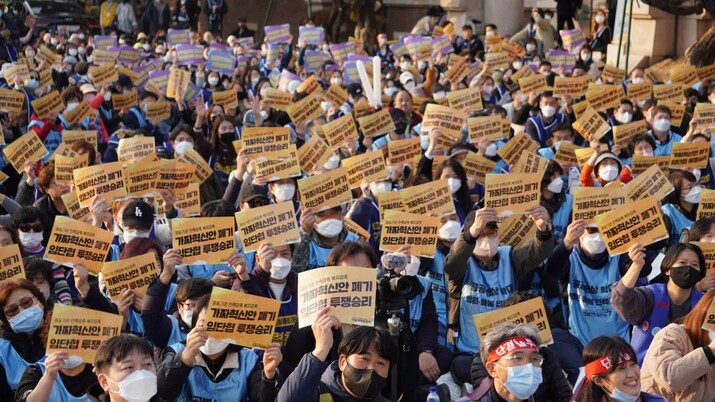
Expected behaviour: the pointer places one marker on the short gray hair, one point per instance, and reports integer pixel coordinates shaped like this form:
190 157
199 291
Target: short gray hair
504 331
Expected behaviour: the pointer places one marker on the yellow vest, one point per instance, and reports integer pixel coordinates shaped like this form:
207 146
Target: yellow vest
108 14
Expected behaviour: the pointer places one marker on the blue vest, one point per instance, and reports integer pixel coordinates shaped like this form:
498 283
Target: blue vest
140 117
59 391
319 255
416 304
199 387
590 300
176 335
52 141
438 279
678 222
547 153
560 221
644 333
665 148
287 317
544 131
13 364
483 291
536 287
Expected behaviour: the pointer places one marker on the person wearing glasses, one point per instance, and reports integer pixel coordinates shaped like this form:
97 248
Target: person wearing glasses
513 363
31 223
23 318
582 261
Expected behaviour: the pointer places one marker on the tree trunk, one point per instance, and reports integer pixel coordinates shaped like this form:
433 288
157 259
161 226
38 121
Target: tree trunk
702 52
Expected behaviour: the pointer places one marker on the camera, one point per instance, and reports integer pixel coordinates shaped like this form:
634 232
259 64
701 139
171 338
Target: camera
394 290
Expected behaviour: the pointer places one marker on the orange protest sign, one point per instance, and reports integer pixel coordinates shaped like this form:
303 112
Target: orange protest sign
533 83
606 96
136 147
517 230
401 152
457 71
623 133
706 206
591 124
227 99
401 229
72 242
141 178
74 210
375 124
106 181
668 92
203 170
369 167
175 175
641 90
208 240
512 193
677 111
530 162
650 184
705 114
158 110
477 167
429 198
642 222
11 265
304 110
353 227
11 101
64 165
336 95
468 99
642 163
71 136
528 312
277 99
341 130
135 273
241 318
693 155
177 84
279 165
124 101
484 128
189 203
512 150
566 155
27 148
591 201
80 331
260 140
275 223
326 190
48 104
314 153
103 74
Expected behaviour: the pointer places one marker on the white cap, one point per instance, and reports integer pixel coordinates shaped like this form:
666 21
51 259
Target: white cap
405 77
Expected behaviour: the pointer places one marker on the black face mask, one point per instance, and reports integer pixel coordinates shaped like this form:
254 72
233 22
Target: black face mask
684 277
227 137
365 384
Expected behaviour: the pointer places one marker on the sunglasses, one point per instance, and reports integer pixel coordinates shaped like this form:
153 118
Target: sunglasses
258 202
35 227
13 309
592 230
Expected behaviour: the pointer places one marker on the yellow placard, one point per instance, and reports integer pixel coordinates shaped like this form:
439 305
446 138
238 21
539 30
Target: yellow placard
136 147
189 203
175 175
390 200
530 162
353 227
705 72
63 150
458 70
613 73
326 190
642 163
429 198
705 113
693 155
279 165
245 319
11 101
310 86
498 60
467 100
512 193
402 152
11 265
606 96
348 291
103 57
124 101
527 312
706 206
477 166
623 133
74 210
650 184
485 128
27 148
512 150
141 178
677 111
106 181
579 107
178 82
591 201
80 331
48 104
257 141
275 224
534 83
64 165
209 240
73 241
375 124
79 113
277 99
517 230
642 222
401 229
71 136
524 71
228 99
103 74
684 74
314 153
304 110
642 90
566 154
668 92
342 130
203 170
591 124
571 86
158 110
336 95
135 273
369 167
709 322
48 56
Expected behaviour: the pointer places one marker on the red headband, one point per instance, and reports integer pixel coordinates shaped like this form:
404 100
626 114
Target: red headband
604 364
519 342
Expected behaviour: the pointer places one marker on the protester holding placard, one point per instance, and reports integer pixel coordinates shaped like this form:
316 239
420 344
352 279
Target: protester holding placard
183 138
453 172
659 304
554 196
223 158
32 228
681 208
319 233
604 166
539 127
661 130
400 133
366 211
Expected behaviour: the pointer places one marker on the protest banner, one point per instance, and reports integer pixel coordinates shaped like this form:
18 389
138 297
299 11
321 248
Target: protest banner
46 78
613 73
705 114
188 54
530 162
63 150
103 74
467 100
275 224
48 104
401 152
304 110
399 229
313 154
524 71
606 96
457 71
677 111
650 184
369 166
591 124
309 86
129 56
530 312
261 140
74 210
72 242
50 58
477 166
277 33
278 165
668 92
175 175
79 331
349 291
326 190
572 39
11 101
498 60
484 128
353 227
642 222
135 273
136 147
228 99
390 200
534 83
579 107
242 319
311 35
208 240
158 110
641 90
591 201
178 36
79 113
429 198
375 124
642 163
693 155
27 148
203 170
571 86
512 150
64 165
221 61
705 72
516 230
103 57
335 95
141 178
277 99
512 193
709 321
16 71
178 82
623 133
684 74
706 206
189 203
11 265
106 181
419 47
566 155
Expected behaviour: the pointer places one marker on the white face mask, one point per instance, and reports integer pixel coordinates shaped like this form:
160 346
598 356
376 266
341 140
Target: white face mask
600 19
586 57
593 243
329 228
213 80
624 117
146 47
336 81
486 247
697 173
71 106
380 187
130 235
608 173
213 346
182 146
187 315
325 105
383 41
450 230
556 185
389 91
454 184
491 150
637 80
421 65
30 240
280 268
72 52
517 65
139 386
107 96
72 362
693 196
640 102
522 381
409 85
284 192
661 125
405 65
254 81
439 95
548 111
332 163
530 47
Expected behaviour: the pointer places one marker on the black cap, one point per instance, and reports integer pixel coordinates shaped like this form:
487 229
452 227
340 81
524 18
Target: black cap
138 213
251 192
124 81
355 89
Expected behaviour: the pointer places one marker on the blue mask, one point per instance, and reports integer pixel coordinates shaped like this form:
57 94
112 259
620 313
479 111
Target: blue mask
620 396
28 320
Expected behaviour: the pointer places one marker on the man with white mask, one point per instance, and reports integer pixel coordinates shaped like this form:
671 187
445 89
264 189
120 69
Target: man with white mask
582 261
539 127
272 278
319 232
661 130
365 211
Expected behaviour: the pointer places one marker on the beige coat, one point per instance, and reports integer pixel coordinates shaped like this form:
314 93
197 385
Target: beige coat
674 369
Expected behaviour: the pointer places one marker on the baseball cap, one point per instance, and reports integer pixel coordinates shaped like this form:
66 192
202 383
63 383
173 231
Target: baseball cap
251 192
354 89
138 213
